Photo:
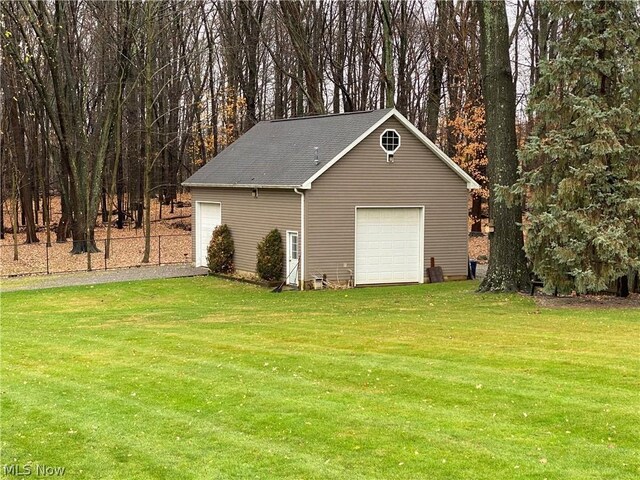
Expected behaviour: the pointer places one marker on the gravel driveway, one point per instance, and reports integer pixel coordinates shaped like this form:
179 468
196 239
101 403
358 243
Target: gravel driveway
99 276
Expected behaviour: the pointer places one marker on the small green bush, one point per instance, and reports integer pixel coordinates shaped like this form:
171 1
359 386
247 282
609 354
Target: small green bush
270 264
220 251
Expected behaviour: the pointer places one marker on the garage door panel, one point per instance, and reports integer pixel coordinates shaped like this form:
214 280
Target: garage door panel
386 261
388 245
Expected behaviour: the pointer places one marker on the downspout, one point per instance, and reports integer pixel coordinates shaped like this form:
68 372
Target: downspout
304 238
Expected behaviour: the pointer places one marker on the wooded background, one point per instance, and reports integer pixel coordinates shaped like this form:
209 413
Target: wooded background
112 104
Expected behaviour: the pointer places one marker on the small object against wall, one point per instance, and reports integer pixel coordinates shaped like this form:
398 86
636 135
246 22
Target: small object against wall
435 273
473 264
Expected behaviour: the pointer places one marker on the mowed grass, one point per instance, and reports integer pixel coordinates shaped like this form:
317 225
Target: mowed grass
204 378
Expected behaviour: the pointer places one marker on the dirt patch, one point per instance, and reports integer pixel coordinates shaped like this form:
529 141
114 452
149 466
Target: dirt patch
478 242
479 248
588 301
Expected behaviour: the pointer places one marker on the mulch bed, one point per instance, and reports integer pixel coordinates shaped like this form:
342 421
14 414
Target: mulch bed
588 301
246 278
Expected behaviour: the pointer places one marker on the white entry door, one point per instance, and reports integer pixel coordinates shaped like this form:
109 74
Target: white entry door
208 217
292 258
389 245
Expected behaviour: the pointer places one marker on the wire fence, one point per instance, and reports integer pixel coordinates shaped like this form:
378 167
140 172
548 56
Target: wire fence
119 252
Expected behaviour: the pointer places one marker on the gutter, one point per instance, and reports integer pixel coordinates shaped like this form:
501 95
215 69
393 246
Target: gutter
304 238
237 185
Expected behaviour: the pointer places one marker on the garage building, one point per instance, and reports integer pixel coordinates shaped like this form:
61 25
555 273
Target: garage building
361 196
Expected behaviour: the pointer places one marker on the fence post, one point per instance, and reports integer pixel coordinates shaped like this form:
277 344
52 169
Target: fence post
159 257
46 248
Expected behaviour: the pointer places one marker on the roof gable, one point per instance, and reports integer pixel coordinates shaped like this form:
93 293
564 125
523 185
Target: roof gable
471 183
294 152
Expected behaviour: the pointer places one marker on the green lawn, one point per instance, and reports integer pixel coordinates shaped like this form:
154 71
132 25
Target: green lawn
202 378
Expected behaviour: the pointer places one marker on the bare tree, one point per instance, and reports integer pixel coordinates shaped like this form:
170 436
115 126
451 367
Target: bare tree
300 22
16 115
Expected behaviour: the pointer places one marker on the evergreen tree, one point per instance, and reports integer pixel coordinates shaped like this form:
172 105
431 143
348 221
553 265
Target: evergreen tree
581 165
270 257
221 250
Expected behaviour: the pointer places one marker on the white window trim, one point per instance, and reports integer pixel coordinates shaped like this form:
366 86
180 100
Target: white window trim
198 222
355 237
392 152
288 246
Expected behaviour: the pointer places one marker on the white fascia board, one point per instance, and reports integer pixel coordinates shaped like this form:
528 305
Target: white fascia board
237 185
471 183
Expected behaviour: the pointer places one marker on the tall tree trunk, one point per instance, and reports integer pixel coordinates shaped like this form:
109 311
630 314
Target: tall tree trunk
300 33
14 215
251 25
387 53
105 214
2 183
299 99
507 263
116 172
213 97
365 101
476 213
148 120
280 102
436 68
62 230
404 81
16 112
46 188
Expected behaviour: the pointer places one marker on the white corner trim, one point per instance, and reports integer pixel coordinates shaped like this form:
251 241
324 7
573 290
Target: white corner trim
302 237
471 183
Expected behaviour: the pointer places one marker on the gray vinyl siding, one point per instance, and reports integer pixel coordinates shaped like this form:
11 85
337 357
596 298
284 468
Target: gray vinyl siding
364 178
249 218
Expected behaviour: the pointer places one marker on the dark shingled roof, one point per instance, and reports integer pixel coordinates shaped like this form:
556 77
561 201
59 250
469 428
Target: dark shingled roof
282 152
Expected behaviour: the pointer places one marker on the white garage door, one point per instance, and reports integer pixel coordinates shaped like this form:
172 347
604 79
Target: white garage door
388 245
208 217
